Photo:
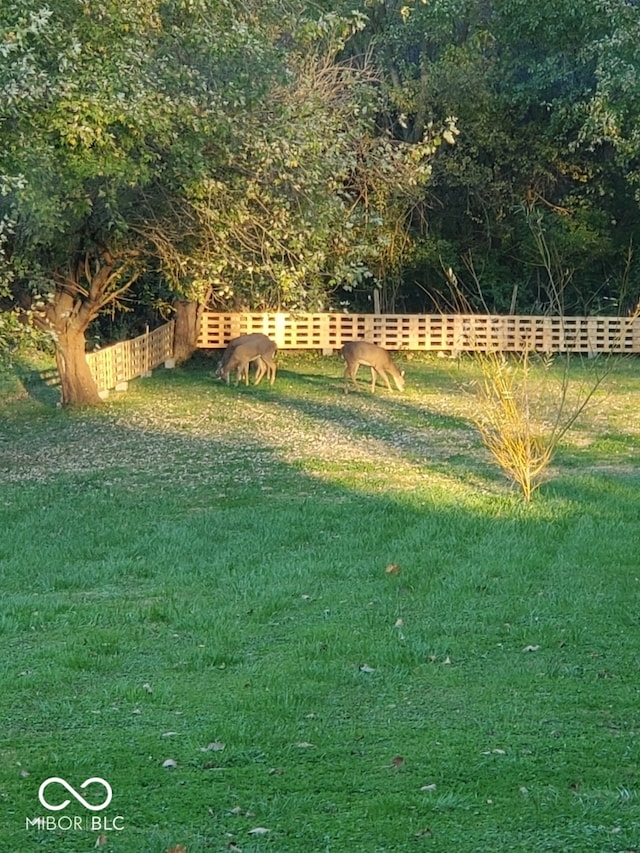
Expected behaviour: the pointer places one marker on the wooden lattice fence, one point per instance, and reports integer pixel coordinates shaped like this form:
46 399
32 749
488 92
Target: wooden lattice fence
113 366
453 333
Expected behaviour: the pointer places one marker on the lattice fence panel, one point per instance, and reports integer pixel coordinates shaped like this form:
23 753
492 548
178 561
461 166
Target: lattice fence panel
117 364
456 332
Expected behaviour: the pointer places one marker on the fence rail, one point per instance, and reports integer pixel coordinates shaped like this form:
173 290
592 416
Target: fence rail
456 333
115 365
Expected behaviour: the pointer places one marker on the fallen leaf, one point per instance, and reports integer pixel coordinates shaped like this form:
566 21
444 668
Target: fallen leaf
447 661
424 833
242 812
303 744
399 623
169 764
430 787
169 734
216 746
393 569
531 648
179 848
101 840
259 830
146 686
398 761
364 667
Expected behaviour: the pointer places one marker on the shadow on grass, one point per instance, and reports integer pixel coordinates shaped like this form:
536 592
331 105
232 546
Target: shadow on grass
405 424
313 386
409 423
41 384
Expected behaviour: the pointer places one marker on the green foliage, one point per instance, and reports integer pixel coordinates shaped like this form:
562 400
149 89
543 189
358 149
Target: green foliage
312 195
313 199
228 145
114 111
273 154
612 120
542 93
18 339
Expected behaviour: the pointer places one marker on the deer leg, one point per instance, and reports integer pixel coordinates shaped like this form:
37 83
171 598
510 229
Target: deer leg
260 370
271 370
350 373
384 375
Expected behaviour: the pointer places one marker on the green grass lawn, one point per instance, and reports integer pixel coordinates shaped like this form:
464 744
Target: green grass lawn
329 613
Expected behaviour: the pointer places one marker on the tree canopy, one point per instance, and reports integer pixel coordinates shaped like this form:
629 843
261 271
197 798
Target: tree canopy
547 105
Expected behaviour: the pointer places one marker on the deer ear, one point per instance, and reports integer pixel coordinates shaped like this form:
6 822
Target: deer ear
402 373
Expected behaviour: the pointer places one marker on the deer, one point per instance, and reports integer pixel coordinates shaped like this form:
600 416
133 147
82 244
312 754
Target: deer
240 352
377 358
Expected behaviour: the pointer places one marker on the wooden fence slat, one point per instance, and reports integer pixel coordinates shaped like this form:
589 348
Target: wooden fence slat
429 332
117 364
121 362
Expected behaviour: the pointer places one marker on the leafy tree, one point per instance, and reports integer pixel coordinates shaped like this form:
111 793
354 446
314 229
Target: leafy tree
540 91
611 132
109 111
313 193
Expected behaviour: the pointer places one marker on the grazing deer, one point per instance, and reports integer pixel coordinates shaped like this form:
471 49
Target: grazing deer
378 359
240 352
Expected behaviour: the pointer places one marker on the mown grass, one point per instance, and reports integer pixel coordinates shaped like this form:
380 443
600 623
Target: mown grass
199 573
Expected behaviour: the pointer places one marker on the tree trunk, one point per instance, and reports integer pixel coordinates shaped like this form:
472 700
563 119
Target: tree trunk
188 316
92 281
78 385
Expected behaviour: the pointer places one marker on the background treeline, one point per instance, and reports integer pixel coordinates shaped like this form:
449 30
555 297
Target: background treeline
420 156
536 207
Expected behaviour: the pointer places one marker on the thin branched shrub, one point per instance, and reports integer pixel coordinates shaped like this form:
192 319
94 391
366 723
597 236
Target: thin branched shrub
525 404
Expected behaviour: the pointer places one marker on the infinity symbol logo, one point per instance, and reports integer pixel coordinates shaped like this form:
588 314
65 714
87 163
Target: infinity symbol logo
75 794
